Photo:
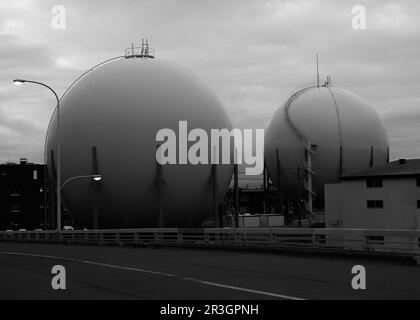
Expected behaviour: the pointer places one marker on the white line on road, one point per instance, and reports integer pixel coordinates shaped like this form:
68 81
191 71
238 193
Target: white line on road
89 262
248 290
215 284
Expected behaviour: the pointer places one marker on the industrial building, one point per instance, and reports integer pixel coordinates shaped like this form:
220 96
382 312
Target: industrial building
24 202
381 197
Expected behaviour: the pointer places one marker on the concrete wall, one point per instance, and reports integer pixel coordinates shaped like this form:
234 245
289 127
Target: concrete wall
346 205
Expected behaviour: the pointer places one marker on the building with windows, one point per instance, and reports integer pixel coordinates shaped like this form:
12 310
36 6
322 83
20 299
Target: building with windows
23 196
381 197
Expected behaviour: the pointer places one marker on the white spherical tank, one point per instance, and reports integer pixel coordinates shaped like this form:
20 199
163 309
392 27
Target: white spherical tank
344 130
117 109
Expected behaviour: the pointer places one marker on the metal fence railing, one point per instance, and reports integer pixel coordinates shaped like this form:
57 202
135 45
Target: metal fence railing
364 240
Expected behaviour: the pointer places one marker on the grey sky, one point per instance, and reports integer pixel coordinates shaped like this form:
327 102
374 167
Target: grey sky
252 53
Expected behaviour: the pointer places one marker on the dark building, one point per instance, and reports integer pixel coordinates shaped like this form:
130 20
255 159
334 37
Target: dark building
23 196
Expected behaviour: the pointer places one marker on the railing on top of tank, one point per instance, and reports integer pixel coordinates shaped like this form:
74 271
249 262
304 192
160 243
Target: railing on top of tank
364 240
139 52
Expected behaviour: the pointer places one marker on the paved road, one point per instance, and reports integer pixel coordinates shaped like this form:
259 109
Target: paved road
95 272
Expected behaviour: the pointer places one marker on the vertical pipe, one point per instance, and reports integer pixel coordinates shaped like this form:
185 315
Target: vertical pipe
317 71
159 177
236 194
58 166
265 179
45 197
214 188
95 171
264 187
300 195
160 204
371 163
308 175
53 196
278 169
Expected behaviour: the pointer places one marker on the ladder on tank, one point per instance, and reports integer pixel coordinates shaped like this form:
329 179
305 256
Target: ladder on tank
310 149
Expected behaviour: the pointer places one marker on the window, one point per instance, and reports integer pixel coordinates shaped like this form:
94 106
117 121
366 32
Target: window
15 191
15 208
35 174
374 183
418 182
418 204
375 204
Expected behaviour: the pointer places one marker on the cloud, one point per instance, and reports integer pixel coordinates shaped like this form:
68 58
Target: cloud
253 53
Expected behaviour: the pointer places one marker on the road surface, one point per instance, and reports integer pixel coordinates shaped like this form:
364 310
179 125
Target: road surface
97 272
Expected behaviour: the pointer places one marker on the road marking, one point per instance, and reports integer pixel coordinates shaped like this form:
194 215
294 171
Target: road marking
89 262
250 290
215 284
126 268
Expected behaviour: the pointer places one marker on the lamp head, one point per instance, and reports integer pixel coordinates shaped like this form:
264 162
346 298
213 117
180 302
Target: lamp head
18 82
97 177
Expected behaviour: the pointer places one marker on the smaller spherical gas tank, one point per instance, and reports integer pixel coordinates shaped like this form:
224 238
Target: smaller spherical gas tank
344 130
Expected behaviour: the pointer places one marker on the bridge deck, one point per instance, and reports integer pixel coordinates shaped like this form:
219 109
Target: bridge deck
95 272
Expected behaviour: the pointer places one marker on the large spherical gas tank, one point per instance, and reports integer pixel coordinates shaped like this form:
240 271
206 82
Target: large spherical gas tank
117 110
344 129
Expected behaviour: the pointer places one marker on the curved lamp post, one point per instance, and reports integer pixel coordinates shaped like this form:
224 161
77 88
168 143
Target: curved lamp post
20 82
95 177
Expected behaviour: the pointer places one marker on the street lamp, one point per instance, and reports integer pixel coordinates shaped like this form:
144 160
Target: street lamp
96 177
19 82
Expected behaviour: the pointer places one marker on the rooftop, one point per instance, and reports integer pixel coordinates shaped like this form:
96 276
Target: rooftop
401 167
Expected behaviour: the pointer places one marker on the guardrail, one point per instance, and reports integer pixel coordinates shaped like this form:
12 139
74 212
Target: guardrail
362 240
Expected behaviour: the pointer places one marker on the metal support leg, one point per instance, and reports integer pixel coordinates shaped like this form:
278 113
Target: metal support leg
214 187
95 171
160 197
236 194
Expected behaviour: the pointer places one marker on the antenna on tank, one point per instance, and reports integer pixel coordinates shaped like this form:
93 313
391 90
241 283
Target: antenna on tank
142 52
317 71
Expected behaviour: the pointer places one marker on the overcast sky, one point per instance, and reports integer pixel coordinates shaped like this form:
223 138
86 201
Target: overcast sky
252 53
